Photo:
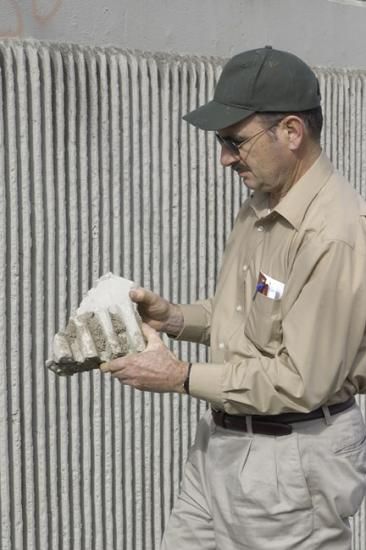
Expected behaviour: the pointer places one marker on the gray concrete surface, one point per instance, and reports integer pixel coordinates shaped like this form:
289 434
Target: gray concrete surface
99 174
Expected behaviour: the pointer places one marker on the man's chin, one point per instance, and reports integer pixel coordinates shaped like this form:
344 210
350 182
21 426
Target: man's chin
248 179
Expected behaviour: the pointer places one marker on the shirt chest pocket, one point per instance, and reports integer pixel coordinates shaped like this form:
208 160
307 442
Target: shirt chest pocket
264 323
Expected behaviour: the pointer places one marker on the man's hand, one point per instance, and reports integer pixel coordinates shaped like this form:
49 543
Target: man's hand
155 369
157 312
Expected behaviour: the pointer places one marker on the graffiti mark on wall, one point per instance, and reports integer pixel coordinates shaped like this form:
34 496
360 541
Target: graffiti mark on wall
14 14
44 11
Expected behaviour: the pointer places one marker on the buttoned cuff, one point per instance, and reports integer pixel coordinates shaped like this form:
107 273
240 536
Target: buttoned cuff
196 324
206 382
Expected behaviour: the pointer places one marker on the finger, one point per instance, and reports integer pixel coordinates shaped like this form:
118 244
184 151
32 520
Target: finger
148 331
104 367
116 371
122 377
151 336
119 364
140 294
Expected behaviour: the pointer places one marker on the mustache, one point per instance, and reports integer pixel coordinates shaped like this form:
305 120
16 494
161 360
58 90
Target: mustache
239 167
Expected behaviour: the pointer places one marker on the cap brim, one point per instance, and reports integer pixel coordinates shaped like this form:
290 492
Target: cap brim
216 116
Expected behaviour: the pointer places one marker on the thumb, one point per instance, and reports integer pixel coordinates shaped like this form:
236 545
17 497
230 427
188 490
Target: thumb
140 294
151 336
137 294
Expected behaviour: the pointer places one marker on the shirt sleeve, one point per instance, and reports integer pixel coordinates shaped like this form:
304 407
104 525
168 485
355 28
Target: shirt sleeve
323 323
197 322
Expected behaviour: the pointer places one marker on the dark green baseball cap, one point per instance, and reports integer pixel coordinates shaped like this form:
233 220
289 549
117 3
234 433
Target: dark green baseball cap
258 81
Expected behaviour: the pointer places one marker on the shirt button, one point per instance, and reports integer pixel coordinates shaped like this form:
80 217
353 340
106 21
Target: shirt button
245 267
221 345
260 228
238 308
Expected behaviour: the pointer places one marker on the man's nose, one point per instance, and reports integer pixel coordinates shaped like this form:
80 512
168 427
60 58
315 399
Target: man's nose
227 157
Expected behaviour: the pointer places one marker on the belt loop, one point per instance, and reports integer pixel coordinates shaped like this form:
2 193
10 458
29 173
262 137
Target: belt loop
327 415
249 424
219 417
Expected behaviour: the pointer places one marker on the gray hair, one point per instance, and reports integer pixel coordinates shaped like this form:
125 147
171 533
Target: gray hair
313 120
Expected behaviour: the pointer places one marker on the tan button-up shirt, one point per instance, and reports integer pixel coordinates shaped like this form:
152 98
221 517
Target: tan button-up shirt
304 345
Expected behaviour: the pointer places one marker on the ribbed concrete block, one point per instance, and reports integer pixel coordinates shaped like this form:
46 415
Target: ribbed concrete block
99 173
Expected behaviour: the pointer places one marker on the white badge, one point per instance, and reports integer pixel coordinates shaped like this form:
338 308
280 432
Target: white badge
270 287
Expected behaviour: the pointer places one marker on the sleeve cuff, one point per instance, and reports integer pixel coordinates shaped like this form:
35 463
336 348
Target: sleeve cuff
205 382
196 326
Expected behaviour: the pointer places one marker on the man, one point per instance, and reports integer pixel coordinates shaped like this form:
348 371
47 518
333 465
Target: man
279 460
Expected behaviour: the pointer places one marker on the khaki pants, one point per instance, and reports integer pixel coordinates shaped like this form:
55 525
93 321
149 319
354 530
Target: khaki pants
255 492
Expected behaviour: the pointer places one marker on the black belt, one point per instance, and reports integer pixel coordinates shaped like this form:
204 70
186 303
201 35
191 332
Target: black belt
276 424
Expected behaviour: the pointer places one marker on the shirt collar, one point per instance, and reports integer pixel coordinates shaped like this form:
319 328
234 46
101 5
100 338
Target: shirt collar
295 203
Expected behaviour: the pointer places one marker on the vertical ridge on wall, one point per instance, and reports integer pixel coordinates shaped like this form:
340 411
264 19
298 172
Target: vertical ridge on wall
34 308
99 173
5 505
49 521
13 341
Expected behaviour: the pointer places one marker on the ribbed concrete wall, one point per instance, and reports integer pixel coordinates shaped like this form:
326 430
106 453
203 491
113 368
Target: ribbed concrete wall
98 173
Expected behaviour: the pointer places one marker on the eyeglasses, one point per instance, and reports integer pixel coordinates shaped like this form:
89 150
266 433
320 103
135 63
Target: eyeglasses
234 145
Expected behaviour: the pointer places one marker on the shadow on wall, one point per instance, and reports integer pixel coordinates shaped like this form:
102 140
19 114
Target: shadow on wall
42 12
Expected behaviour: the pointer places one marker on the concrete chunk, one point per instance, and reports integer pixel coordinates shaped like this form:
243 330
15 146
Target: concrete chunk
106 325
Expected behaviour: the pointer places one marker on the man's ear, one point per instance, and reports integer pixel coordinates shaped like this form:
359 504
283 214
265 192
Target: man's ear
294 130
